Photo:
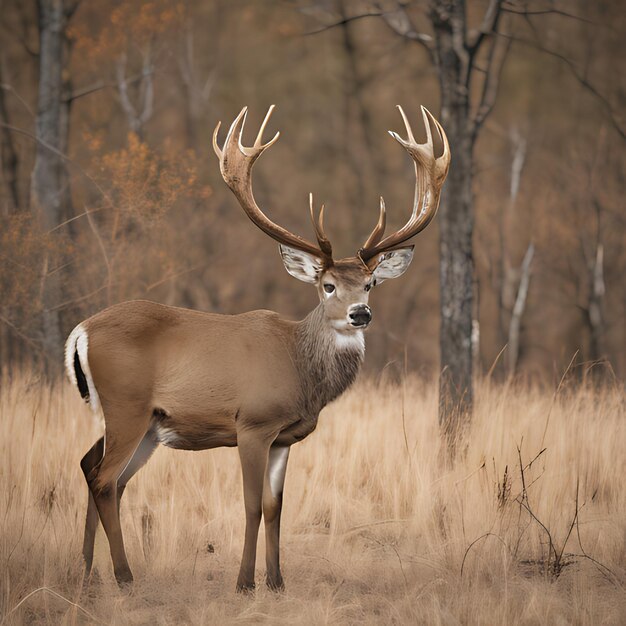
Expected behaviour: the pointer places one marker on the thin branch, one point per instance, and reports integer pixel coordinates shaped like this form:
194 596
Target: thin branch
399 22
89 89
122 88
22 336
169 277
495 65
105 256
577 75
488 26
76 217
343 21
70 8
21 100
61 155
527 13
67 303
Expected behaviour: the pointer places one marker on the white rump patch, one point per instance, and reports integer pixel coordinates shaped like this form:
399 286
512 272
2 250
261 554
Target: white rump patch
78 341
351 340
277 466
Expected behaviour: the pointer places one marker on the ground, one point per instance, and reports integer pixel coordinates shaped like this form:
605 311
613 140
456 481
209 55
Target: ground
375 529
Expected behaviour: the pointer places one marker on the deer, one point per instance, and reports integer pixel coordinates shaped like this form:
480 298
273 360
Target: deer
193 380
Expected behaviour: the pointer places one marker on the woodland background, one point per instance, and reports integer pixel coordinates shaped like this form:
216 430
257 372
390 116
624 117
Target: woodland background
145 213
527 525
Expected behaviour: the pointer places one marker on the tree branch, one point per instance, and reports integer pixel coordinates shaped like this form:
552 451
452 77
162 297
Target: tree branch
488 26
61 155
398 21
527 13
495 63
89 89
343 21
582 80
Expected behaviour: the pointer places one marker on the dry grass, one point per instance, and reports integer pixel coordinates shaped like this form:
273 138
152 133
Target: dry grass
374 532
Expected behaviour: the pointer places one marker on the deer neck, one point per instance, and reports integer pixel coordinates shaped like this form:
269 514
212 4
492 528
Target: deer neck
328 361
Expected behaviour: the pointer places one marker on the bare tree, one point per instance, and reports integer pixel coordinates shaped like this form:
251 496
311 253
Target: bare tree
8 154
198 84
512 283
50 181
519 306
468 94
593 309
138 114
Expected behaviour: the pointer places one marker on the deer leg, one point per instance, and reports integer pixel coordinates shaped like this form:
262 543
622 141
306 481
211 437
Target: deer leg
88 463
253 453
272 506
141 456
119 450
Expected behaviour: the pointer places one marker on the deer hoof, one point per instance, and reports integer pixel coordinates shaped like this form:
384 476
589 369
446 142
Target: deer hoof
246 589
124 578
275 584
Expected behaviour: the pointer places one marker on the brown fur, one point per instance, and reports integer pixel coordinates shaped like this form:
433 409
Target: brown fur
201 380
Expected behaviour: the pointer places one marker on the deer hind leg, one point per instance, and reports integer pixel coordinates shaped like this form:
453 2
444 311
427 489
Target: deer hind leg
253 453
123 438
141 456
89 463
272 507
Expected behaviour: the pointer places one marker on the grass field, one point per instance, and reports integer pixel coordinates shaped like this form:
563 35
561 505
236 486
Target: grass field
374 531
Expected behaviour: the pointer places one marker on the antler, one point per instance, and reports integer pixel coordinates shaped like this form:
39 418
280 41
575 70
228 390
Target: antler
236 163
430 174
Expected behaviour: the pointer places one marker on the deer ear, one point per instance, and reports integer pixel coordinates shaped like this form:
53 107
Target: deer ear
393 264
301 265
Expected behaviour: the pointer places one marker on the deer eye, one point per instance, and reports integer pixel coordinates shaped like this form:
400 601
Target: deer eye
329 287
368 286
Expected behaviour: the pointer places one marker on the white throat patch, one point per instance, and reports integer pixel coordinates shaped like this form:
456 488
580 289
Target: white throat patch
353 340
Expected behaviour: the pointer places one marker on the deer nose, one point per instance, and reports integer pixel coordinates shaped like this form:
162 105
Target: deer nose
360 315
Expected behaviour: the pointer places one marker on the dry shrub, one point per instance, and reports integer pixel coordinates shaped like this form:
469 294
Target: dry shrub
374 530
28 257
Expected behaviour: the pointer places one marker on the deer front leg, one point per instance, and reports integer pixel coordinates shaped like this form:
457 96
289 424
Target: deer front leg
272 507
253 453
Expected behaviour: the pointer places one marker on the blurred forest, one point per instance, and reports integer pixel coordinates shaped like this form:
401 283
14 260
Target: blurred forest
143 213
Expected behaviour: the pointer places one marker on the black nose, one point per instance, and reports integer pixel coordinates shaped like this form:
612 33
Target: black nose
361 315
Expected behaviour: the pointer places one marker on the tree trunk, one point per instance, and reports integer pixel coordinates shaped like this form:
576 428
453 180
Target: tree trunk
49 182
595 313
455 220
515 324
8 157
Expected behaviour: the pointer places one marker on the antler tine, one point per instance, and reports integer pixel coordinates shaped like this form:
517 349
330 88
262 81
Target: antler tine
409 130
216 147
259 137
445 157
318 226
236 162
379 230
430 174
427 117
236 128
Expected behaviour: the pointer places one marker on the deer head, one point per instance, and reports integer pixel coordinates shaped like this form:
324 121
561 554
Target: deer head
343 285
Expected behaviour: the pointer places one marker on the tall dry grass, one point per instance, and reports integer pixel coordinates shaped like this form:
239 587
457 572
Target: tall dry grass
374 531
